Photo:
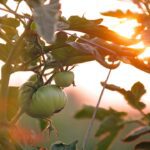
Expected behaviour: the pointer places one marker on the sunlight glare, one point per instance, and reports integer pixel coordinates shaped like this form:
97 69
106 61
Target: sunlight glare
126 27
145 54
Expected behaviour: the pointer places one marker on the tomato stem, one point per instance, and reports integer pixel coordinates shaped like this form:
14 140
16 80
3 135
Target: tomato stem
17 116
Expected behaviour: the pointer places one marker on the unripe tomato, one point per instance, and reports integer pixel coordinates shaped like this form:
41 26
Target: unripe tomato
64 78
25 94
46 101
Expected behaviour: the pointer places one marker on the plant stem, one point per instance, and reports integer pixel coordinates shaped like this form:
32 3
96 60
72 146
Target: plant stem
6 71
17 116
87 135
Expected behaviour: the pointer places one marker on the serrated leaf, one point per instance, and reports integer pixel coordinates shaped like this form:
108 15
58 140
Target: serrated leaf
145 145
109 124
89 49
138 90
77 22
113 87
46 17
83 25
105 143
136 133
62 146
121 14
102 113
87 112
132 99
65 53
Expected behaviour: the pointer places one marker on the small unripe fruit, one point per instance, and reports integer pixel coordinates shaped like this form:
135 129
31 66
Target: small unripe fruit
64 78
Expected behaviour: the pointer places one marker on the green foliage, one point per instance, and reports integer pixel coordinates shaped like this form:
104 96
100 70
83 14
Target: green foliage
111 122
136 133
11 22
62 146
133 96
3 1
138 90
94 29
143 146
28 52
102 113
106 142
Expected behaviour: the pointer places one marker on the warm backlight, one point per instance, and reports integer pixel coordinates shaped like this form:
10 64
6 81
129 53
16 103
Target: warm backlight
126 27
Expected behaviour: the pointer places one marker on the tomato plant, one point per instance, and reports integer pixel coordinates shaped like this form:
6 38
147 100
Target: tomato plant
46 48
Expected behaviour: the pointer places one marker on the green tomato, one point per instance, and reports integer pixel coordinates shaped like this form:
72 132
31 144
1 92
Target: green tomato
64 79
46 101
25 94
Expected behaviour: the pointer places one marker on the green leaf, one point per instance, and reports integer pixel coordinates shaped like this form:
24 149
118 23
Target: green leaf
105 143
93 29
89 49
65 53
3 1
62 146
108 130
138 90
132 97
136 133
121 14
109 124
145 145
147 118
43 124
61 37
13 22
113 87
77 22
135 103
10 32
87 112
101 114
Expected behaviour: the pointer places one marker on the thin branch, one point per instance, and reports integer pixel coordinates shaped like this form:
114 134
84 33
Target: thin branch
19 16
14 13
16 117
87 135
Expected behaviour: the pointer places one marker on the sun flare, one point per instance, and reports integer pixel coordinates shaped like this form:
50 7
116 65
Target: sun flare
126 27
145 54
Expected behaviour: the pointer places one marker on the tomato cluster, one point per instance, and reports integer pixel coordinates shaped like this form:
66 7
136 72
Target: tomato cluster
42 101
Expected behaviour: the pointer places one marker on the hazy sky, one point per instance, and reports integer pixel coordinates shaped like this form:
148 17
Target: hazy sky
89 75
